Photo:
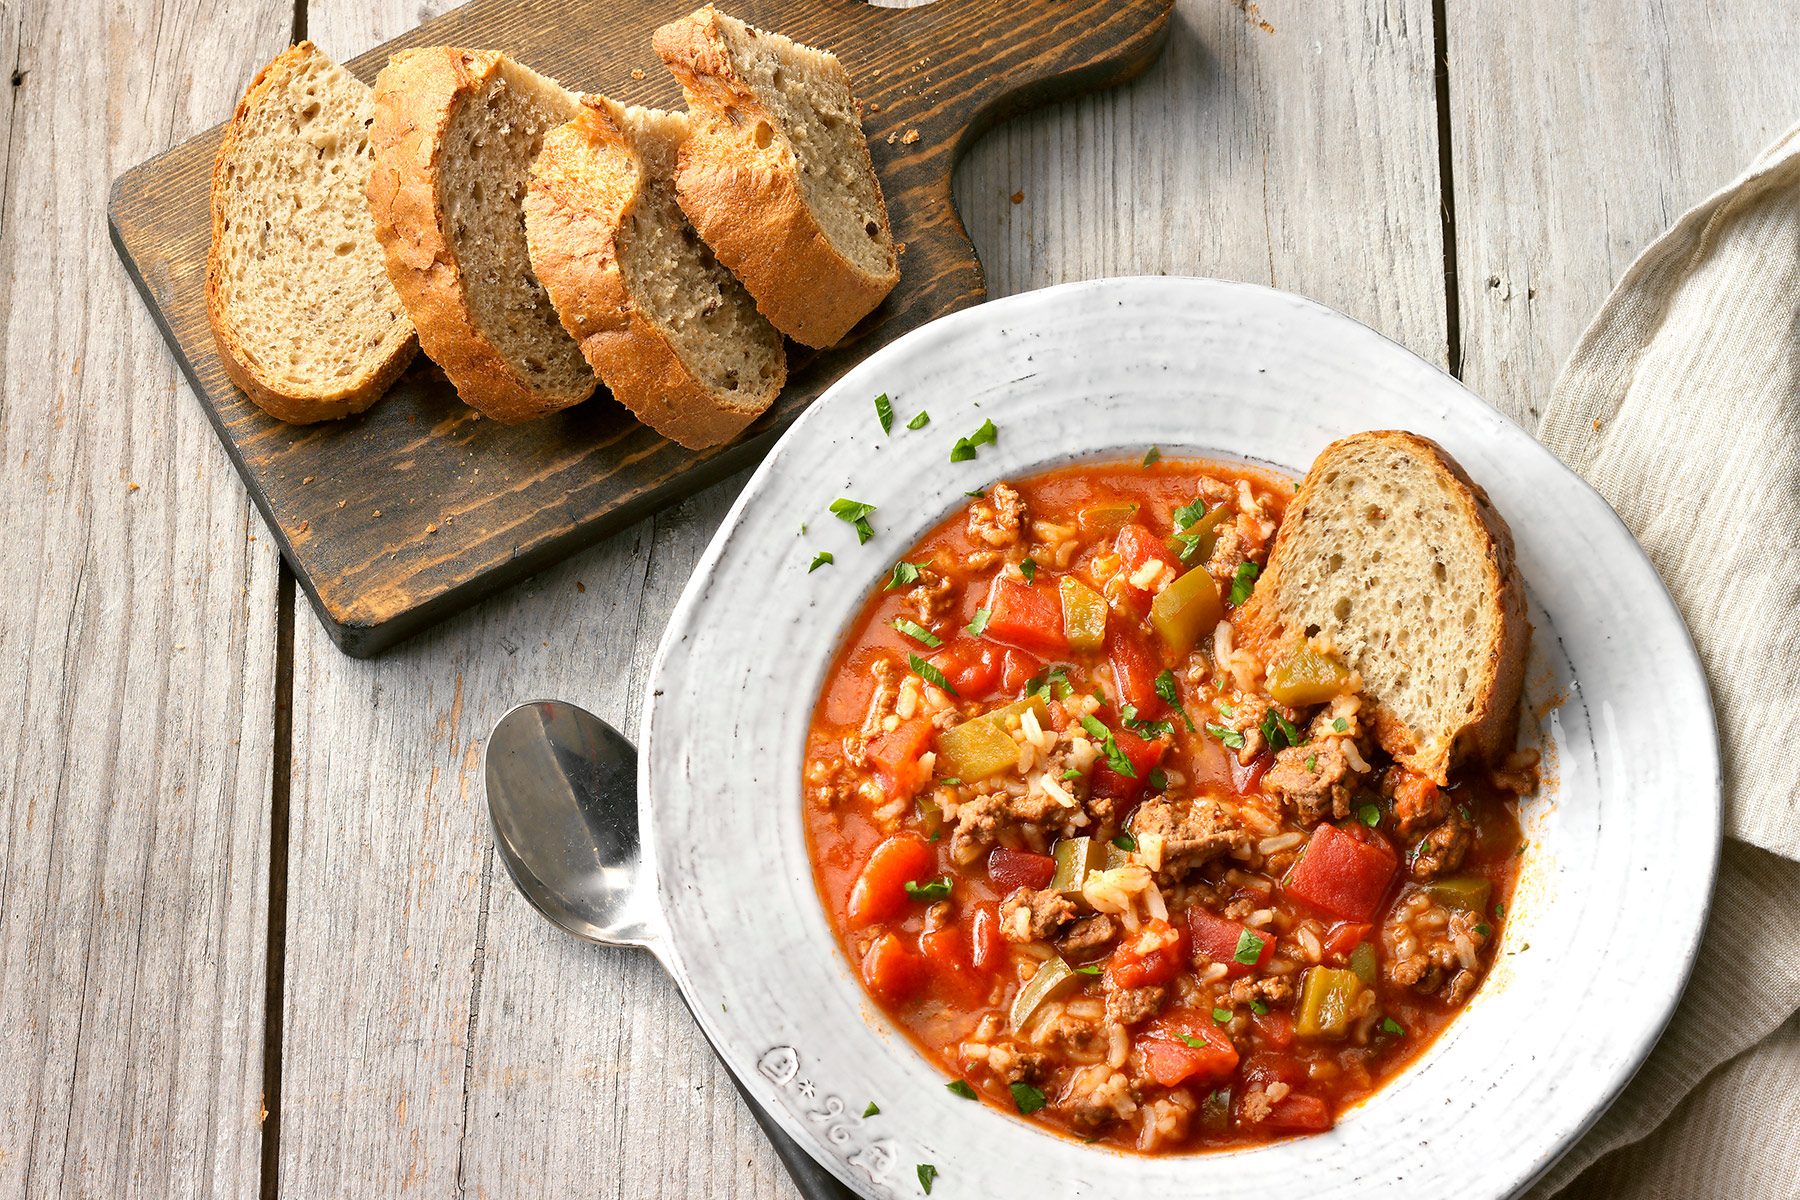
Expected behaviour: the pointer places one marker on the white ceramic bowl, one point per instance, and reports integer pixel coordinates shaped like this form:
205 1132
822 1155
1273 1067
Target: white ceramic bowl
1623 842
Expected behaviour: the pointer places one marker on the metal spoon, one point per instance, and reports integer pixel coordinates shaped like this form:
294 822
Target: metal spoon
562 794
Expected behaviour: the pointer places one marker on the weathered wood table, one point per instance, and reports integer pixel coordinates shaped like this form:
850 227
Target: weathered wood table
252 935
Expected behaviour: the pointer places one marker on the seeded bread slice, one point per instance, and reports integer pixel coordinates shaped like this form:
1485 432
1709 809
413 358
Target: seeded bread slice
1393 556
300 305
668 329
776 175
455 134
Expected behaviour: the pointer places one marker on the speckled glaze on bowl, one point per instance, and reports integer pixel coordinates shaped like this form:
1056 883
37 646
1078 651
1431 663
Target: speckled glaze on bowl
1623 843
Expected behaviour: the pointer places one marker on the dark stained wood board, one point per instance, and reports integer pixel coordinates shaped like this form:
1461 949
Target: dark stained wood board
399 517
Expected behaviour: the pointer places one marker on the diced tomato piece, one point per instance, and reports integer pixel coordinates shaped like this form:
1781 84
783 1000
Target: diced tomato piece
1170 1057
1415 796
1266 1067
1341 874
1143 755
1059 716
968 666
1134 671
1016 670
987 950
1026 615
1220 937
880 891
893 971
1275 1028
1011 869
1298 1112
895 756
1136 545
1249 779
1155 954
1344 937
953 976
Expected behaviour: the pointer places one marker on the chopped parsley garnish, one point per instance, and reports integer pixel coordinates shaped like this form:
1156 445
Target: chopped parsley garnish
1259 1008
1165 687
1369 814
920 421
1483 929
1159 778
1125 842
964 449
961 1088
1185 517
927 1174
873 1110
978 493
821 559
1026 1098
1115 757
1389 1025
1028 568
1045 682
1312 762
1146 729
1196 1043
1225 710
930 674
918 633
1339 725
1090 969
1152 456
1071 773
1232 738
1243 582
1499 911
856 514
937 889
1249 949
978 625
904 573
884 412
1278 731
1222 1015
950 781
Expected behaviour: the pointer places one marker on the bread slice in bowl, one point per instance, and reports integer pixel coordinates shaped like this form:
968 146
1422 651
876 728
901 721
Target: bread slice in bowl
776 175
1394 558
668 329
454 137
306 321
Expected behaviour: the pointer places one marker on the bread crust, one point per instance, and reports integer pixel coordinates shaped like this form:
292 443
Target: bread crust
1491 732
416 96
747 204
291 405
575 252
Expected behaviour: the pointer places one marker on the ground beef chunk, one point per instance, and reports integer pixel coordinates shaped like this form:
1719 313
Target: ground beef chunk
1417 802
1014 1064
1276 989
1193 832
997 518
1098 1096
1087 935
1133 1006
1430 959
1228 554
1314 781
1028 915
931 596
881 701
1441 851
977 823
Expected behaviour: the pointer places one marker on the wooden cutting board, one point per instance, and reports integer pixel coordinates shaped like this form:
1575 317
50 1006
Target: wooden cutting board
419 507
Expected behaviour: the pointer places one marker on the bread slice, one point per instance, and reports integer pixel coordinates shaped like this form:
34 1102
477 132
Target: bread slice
668 329
300 305
776 175
1390 554
454 136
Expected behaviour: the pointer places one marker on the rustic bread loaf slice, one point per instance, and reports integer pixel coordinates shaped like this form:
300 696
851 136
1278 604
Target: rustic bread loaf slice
668 329
300 305
455 134
776 175
1390 554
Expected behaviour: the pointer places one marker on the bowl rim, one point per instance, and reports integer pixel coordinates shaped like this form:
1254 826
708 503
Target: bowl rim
993 316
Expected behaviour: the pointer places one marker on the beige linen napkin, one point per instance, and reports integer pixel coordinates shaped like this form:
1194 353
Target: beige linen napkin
1681 404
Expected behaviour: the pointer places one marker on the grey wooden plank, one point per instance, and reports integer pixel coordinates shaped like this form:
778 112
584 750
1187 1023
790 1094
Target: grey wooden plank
1577 139
137 653
437 1033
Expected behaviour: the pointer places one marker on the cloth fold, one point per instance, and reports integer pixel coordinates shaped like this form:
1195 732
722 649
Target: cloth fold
1681 405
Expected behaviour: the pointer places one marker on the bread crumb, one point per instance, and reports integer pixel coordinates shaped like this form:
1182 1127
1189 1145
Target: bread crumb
893 137
637 72
308 479
376 513
1596 424
131 487
431 528
341 503
899 248
873 106
580 586
1017 197
909 137
304 526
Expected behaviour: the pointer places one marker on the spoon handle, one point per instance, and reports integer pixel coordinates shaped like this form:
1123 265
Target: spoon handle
813 1181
